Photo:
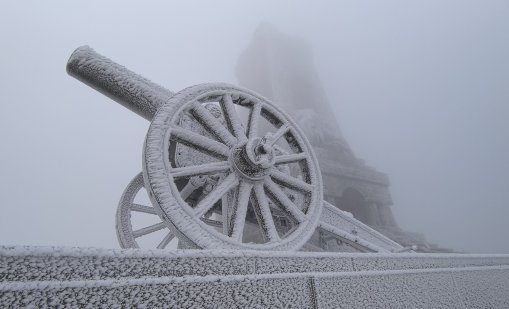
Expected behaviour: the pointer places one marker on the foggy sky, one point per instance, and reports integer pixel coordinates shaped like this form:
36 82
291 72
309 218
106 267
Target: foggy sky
420 89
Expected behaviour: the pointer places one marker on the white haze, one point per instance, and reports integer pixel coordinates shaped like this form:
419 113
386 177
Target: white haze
421 91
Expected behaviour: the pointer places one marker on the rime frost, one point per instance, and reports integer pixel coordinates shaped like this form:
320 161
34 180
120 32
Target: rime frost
56 276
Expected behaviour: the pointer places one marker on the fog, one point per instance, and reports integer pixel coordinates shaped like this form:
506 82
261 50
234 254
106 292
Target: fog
420 91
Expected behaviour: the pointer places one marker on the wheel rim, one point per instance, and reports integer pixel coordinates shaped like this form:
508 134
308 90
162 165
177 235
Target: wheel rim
249 163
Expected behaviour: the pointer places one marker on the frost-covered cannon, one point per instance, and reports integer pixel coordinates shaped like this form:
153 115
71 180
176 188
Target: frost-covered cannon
223 166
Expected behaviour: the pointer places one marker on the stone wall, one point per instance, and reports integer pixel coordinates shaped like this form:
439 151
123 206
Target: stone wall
74 277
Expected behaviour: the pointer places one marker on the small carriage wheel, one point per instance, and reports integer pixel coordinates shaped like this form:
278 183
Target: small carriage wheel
125 233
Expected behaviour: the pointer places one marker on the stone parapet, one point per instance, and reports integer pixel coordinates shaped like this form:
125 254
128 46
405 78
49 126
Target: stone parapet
183 279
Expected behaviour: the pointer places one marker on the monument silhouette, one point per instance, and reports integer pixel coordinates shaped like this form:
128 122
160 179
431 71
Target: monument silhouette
280 67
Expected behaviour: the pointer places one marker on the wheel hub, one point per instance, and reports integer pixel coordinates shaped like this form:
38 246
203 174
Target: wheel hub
253 159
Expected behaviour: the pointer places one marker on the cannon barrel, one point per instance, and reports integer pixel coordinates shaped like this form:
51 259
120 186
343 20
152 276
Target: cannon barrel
120 84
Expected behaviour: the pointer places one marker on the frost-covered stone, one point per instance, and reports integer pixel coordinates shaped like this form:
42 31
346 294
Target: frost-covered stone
51 276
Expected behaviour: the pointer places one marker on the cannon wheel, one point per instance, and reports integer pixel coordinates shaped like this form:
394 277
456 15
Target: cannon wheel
248 162
125 233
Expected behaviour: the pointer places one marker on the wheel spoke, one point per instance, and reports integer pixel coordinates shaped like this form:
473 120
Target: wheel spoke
199 142
213 124
208 201
290 182
264 215
280 198
166 240
290 158
280 132
225 212
204 169
232 118
254 119
239 211
143 208
149 229
188 190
